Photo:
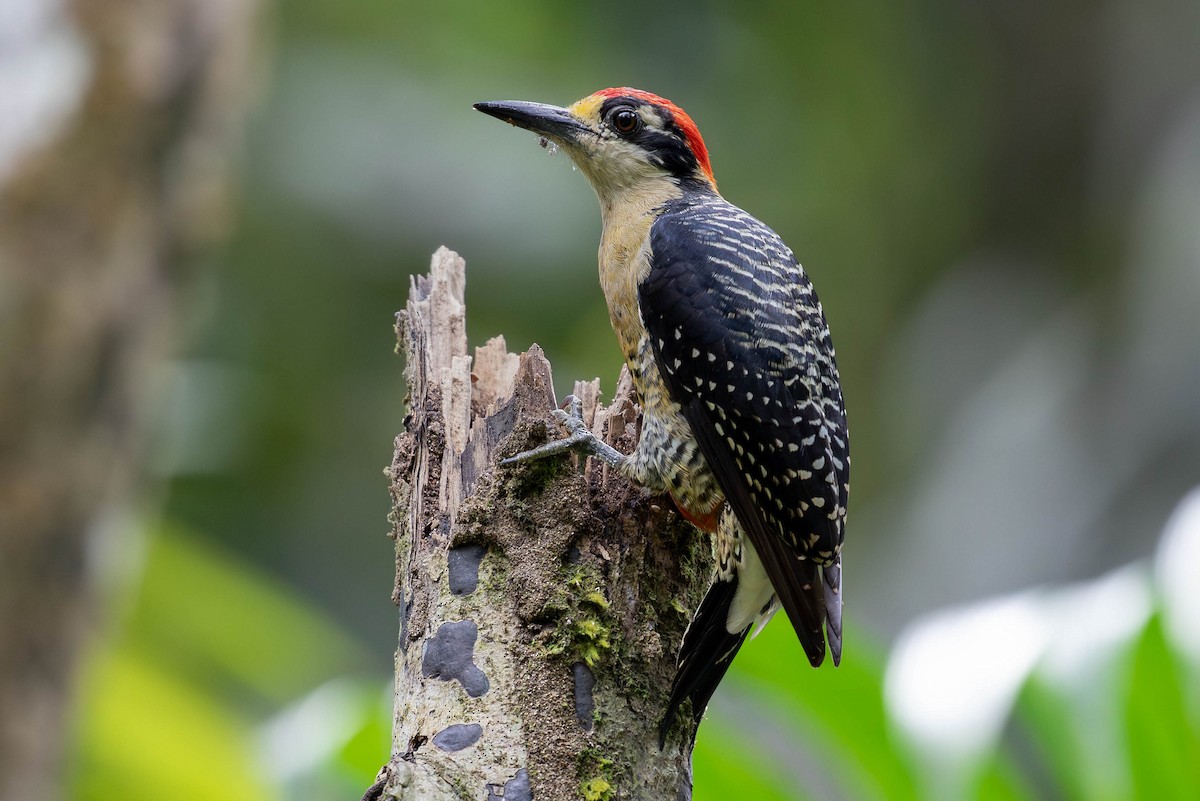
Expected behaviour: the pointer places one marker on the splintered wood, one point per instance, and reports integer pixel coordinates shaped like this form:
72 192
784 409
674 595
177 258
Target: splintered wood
541 605
470 396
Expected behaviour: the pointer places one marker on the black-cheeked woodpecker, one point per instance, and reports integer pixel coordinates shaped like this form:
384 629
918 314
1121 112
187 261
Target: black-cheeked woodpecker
743 419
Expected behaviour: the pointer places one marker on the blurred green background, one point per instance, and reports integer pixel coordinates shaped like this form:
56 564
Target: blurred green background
1000 207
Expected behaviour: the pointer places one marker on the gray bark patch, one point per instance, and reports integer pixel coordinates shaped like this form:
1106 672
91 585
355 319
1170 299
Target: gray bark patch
458 736
515 789
405 608
464 564
448 656
585 704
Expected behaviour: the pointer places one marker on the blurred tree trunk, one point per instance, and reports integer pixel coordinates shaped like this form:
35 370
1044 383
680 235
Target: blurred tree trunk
116 124
541 606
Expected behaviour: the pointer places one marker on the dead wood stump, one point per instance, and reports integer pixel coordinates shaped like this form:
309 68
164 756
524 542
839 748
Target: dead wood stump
541 606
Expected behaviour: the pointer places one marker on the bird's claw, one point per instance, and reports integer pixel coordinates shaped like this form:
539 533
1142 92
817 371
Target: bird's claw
571 418
579 438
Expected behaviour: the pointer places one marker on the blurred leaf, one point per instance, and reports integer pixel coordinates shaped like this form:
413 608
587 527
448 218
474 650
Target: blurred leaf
146 734
1164 749
1049 722
363 753
722 769
999 780
204 611
840 710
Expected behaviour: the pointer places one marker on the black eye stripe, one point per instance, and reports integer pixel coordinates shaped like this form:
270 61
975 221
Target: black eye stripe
664 142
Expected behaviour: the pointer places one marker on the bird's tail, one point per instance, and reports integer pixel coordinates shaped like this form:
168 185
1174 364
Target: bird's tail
707 651
831 576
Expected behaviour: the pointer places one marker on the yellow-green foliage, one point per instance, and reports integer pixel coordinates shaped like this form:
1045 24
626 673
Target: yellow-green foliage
596 598
597 789
592 640
583 632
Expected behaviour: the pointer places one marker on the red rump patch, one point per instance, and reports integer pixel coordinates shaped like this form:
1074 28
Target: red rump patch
685 123
705 521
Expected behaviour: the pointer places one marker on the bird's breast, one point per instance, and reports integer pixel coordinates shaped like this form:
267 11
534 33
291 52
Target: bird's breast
624 264
625 256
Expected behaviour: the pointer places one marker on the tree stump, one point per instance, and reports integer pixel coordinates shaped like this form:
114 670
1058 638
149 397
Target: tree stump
541 605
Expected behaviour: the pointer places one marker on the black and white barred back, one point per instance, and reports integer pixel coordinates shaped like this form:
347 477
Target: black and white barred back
742 345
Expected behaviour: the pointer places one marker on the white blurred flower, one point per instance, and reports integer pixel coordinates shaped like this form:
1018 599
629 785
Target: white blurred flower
954 676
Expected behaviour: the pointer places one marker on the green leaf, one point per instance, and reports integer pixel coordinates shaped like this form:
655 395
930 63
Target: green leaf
722 769
1164 747
210 615
838 711
998 780
361 755
144 734
1047 718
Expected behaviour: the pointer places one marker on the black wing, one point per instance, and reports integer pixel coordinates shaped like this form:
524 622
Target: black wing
741 342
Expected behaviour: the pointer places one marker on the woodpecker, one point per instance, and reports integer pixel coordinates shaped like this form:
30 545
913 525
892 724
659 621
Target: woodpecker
743 419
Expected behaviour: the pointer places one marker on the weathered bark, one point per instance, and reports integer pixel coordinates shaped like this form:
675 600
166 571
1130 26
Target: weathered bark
111 179
541 606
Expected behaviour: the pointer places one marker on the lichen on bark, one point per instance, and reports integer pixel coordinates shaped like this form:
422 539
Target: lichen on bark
577 584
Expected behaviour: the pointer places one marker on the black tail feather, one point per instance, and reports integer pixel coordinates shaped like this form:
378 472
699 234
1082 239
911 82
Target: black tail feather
832 575
707 652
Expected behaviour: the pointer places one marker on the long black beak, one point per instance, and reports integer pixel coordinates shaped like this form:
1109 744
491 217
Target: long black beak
554 122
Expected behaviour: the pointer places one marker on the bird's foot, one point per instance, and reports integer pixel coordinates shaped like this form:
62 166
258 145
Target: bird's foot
579 439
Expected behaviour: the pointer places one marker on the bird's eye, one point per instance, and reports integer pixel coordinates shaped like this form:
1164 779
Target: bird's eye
625 120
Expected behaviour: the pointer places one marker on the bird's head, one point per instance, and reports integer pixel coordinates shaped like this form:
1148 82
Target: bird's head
622 139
